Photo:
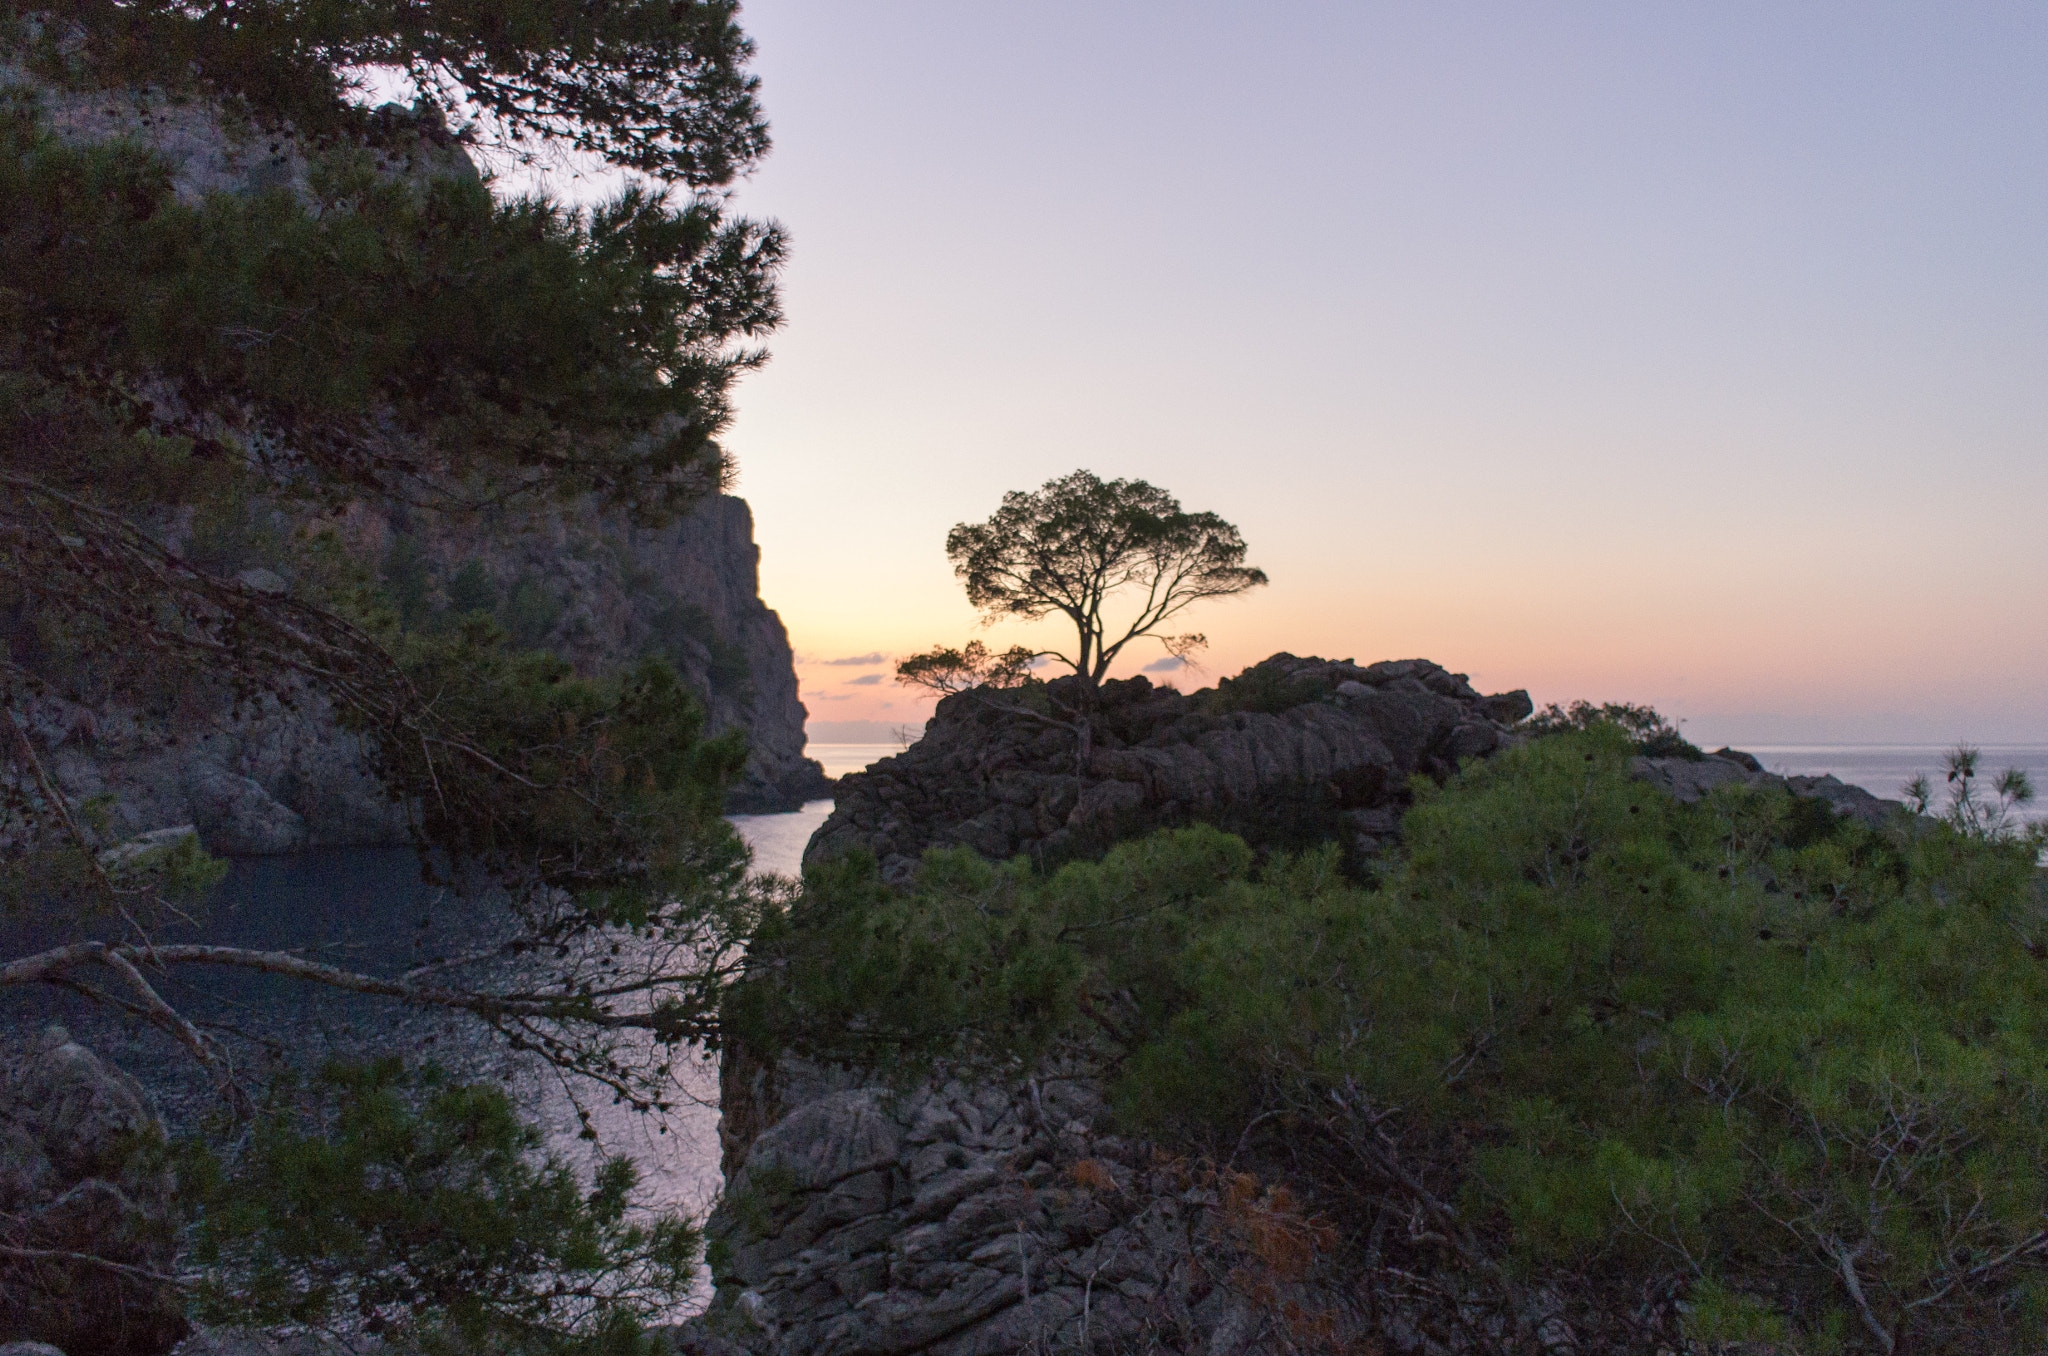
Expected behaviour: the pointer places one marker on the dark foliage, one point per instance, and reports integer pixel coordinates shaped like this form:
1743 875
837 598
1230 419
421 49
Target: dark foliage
420 1209
1770 1059
652 85
1652 735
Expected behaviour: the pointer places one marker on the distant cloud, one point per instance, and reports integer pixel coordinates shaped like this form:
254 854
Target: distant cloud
1166 665
828 696
854 661
865 680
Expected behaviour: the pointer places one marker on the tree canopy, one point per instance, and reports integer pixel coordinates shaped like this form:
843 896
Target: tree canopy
1077 547
652 85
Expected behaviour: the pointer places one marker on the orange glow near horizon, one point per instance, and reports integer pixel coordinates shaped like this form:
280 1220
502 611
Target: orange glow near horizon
1684 355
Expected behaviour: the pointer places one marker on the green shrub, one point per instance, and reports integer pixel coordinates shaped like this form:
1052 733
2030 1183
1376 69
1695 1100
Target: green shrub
1772 1051
1652 734
424 1210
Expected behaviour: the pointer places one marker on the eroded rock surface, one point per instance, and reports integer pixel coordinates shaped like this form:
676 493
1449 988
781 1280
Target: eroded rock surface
946 1218
86 1205
1318 749
994 1217
1687 780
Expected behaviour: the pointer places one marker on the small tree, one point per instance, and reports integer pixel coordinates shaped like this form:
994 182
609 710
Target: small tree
1071 547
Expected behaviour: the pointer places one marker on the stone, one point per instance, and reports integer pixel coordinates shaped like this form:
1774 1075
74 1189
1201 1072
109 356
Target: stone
1002 783
236 817
1737 756
263 581
1686 780
137 851
81 1174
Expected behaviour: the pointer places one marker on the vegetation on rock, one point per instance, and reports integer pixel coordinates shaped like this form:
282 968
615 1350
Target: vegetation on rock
1779 1063
422 1209
1078 546
651 85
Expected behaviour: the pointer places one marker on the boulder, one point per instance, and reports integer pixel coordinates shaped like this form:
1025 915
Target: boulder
1291 751
1689 779
87 1204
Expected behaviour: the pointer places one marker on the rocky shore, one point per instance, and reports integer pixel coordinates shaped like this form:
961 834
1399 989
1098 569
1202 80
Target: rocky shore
1000 1214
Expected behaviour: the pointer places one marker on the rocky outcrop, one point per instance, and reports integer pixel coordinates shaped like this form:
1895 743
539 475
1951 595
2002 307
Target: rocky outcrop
948 1218
212 154
994 1217
601 592
1291 751
86 1206
992 1214
262 776
1689 779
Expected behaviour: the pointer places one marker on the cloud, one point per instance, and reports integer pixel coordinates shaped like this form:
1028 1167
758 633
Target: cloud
865 680
1166 665
828 696
854 661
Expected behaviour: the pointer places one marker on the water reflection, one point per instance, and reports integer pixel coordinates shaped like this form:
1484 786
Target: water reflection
778 840
369 910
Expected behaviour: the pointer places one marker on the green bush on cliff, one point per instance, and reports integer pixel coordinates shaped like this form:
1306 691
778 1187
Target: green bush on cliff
379 331
1796 1063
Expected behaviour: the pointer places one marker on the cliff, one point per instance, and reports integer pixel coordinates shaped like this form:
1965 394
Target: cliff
266 776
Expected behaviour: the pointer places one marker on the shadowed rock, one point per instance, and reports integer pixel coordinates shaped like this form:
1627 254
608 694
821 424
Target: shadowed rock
1290 752
86 1205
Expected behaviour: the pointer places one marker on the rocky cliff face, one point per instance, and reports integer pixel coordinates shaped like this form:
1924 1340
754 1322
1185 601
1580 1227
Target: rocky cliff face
1291 751
600 592
996 1217
262 778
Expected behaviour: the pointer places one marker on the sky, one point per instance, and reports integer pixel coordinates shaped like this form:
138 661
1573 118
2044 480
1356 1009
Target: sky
1690 353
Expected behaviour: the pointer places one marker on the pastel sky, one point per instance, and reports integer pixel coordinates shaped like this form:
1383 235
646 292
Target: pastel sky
1685 353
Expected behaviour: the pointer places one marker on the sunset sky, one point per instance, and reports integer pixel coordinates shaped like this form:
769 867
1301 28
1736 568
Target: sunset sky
1694 354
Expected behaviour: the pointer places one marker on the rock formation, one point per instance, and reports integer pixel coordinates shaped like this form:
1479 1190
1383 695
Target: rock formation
260 778
993 1215
995 1218
1292 750
86 1211
1689 779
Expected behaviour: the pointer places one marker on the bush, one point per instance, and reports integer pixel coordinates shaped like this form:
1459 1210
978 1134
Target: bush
1652 735
416 1207
1797 1062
